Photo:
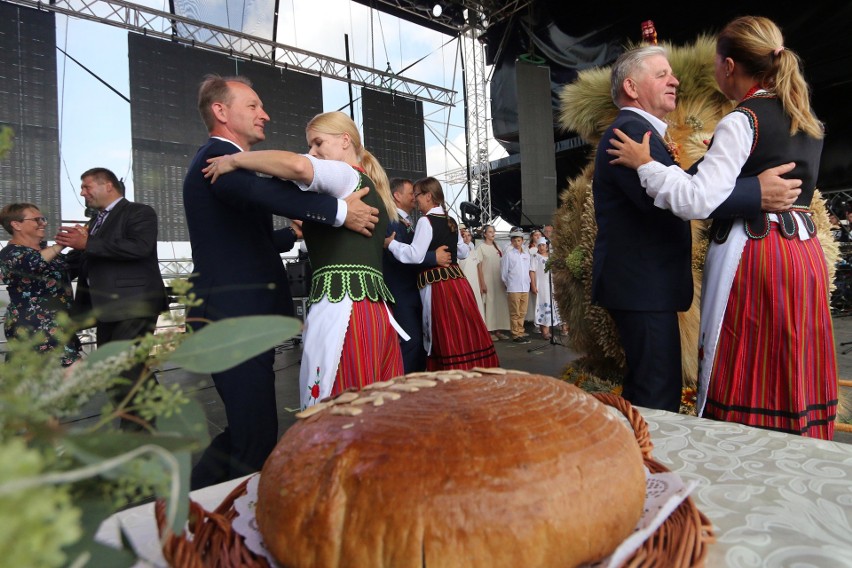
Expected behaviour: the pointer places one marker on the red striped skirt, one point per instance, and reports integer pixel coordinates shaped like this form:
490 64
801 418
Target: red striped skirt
775 365
459 337
370 349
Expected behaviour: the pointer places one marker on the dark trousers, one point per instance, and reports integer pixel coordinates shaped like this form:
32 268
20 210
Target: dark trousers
651 342
248 393
408 312
129 330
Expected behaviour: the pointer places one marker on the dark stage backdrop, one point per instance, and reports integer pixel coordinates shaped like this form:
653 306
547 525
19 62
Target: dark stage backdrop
393 132
30 171
167 129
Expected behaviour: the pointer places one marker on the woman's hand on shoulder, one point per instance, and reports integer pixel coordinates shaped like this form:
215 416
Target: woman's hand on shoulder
627 152
219 166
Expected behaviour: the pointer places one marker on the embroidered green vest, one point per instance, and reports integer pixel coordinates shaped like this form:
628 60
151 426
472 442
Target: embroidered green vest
345 263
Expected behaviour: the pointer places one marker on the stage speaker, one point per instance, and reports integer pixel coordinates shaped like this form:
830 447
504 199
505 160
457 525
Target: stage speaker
299 276
535 130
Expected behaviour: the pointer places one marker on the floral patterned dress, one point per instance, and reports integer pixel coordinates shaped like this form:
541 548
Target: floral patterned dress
38 290
544 310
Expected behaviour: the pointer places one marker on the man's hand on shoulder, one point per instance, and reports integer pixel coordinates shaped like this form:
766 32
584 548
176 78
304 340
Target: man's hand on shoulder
360 217
777 193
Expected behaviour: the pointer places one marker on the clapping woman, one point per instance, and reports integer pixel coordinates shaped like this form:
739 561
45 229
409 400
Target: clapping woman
36 279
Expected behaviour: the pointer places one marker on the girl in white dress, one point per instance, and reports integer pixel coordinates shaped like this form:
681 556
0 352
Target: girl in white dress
470 267
545 306
532 249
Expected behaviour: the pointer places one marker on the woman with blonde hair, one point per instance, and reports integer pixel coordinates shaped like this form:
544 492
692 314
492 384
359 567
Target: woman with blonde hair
766 354
454 334
349 335
338 126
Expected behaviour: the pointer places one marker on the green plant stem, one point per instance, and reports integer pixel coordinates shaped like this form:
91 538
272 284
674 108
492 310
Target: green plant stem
17 485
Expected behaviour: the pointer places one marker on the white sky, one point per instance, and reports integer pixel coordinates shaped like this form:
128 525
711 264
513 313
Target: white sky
94 122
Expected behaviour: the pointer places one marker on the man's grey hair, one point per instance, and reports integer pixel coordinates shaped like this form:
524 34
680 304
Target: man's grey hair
627 64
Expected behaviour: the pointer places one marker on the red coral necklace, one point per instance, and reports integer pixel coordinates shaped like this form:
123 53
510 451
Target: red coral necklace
751 93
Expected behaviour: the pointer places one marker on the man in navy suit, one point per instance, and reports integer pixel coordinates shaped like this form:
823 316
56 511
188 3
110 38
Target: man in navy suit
642 264
118 273
401 278
238 269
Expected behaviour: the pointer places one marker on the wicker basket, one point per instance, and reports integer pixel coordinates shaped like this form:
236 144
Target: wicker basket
681 541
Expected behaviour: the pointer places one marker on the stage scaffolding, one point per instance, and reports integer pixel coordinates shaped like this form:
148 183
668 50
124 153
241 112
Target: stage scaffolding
173 27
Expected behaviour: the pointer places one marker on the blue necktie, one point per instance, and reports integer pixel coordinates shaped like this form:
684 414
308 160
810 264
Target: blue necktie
99 221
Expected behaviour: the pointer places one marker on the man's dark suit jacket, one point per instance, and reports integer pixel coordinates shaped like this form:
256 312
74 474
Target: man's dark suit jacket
643 254
401 279
119 273
235 251
238 271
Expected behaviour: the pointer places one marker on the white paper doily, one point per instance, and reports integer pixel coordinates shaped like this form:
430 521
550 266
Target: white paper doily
244 523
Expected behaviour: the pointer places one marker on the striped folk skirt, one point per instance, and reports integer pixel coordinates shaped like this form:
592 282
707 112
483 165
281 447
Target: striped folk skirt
370 349
775 365
459 337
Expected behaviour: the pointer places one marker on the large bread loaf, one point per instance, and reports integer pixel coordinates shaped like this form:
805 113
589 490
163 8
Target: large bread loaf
438 470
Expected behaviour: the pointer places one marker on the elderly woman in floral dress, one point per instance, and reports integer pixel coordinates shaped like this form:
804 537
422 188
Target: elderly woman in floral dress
36 279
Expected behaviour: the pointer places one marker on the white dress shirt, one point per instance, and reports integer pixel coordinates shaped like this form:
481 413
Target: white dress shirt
416 251
515 270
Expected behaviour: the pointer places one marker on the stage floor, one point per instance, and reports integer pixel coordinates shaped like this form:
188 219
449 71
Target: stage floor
539 356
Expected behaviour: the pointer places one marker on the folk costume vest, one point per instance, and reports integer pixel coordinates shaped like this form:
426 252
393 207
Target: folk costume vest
771 145
346 263
441 235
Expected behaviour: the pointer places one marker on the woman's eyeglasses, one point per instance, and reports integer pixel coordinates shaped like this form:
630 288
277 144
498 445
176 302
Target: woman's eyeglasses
41 220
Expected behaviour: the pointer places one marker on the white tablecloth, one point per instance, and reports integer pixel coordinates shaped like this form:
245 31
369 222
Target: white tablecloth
140 524
775 500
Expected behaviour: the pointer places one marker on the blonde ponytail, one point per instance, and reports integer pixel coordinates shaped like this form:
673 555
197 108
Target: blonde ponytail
791 88
377 173
337 123
756 44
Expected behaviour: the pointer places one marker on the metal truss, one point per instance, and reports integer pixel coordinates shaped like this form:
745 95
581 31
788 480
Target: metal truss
172 27
176 267
478 164
479 14
838 199
456 13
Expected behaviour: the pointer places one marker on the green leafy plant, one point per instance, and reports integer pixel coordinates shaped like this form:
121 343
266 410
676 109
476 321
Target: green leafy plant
59 482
